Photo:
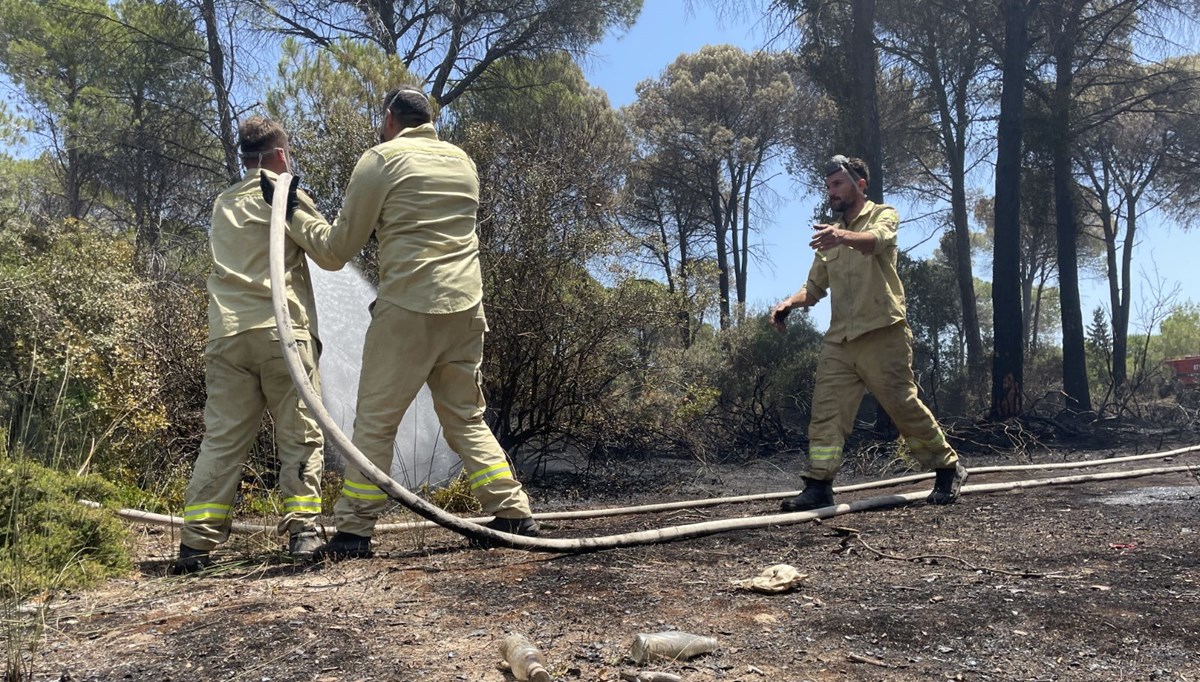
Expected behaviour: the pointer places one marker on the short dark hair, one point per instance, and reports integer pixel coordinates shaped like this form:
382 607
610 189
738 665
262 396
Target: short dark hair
409 106
259 134
854 166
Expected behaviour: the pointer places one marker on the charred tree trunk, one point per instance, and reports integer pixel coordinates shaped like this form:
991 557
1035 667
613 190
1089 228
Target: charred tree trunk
216 66
1075 381
955 142
1121 306
1008 356
863 67
722 238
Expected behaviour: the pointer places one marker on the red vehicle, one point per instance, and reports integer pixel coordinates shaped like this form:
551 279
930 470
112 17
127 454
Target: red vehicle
1187 370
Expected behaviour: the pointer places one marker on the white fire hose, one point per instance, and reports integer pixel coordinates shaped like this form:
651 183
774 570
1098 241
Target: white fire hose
471 527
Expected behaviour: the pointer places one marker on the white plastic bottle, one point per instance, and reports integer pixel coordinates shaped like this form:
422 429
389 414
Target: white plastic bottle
670 646
523 657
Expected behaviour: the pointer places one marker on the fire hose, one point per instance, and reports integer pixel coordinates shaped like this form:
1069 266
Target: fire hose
471 528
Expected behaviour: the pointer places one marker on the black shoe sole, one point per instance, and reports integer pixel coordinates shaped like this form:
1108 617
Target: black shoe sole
789 508
320 556
190 567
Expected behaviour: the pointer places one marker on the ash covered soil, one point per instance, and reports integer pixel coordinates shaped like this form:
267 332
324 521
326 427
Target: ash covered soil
1099 581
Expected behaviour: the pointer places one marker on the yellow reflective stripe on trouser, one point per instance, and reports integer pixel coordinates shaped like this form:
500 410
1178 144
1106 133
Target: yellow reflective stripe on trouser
492 473
824 452
363 491
302 503
203 512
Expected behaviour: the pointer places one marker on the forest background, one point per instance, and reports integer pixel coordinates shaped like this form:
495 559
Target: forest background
1032 146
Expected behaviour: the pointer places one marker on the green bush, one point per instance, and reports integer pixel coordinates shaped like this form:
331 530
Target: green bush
766 384
454 496
48 540
99 365
733 394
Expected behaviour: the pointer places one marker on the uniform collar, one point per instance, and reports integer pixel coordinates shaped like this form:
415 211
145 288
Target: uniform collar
252 174
868 207
423 131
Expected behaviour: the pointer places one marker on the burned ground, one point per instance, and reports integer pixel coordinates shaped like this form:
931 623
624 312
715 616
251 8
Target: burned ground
1089 582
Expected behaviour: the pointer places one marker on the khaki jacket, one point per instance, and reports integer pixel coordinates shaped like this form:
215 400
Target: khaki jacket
239 286
866 290
420 196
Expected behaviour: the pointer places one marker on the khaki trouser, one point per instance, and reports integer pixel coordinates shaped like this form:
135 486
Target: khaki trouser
881 361
245 373
403 351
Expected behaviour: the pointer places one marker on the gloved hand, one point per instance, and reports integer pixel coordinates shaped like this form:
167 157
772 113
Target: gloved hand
268 193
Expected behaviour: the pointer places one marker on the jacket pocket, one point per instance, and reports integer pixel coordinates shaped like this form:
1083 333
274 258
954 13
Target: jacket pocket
830 255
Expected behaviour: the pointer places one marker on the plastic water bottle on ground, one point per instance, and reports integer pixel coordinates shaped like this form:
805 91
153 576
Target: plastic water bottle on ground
523 657
669 646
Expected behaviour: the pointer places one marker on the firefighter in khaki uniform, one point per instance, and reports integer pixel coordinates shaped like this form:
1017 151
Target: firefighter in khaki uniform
868 343
244 366
419 195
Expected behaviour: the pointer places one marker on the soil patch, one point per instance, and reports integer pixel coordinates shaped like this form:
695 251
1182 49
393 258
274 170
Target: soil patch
1116 597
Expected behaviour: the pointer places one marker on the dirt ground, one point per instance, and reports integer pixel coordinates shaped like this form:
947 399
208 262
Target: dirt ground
1112 593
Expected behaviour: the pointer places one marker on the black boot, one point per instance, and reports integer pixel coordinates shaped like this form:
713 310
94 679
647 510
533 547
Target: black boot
816 494
525 526
344 546
190 560
946 484
303 543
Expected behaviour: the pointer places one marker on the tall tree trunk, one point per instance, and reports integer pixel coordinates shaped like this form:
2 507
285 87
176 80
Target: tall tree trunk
1028 314
684 315
1075 381
863 66
962 265
722 233
742 276
976 367
1008 377
1108 224
953 118
863 69
1120 316
216 66
733 213
1035 325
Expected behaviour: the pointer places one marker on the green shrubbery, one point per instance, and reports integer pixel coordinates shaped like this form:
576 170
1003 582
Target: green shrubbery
99 366
50 542
733 394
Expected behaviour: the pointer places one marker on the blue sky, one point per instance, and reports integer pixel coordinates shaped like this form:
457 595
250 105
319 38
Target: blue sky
668 28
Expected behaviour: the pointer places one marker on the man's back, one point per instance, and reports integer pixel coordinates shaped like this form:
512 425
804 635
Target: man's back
239 286
428 248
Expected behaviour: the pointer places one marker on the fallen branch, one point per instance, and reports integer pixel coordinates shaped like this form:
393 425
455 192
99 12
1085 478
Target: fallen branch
859 658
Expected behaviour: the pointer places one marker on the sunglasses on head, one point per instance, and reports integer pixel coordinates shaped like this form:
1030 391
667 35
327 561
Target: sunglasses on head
840 162
387 105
